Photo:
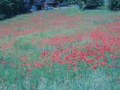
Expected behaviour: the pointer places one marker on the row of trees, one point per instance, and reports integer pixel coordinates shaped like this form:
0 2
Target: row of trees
11 8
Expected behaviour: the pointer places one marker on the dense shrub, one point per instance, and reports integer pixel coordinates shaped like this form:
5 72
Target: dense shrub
114 5
10 8
13 7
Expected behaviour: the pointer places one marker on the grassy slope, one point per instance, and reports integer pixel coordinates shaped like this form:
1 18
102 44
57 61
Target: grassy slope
58 78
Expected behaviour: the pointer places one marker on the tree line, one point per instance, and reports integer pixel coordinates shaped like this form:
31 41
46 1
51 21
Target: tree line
10 8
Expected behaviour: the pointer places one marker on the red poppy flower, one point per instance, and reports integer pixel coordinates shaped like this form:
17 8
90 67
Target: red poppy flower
95 65
101 51
112 56
26 64
70 55
62 62
97 57
118 42
37 64
84 56
110 66
74 50
104 62
74 69
44 54
71 46
101 57
70 61
7 45
74 55
80 54
89 61
106 47
88 46
66 50
55 59
68 67
111 42
23 58
66 57
55 56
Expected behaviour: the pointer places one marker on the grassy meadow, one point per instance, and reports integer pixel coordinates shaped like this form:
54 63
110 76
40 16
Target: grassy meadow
61 49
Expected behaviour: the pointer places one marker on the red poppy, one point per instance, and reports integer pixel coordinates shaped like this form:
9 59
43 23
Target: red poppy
37 64
7 45
118 43
111 56
23 58
70 55
89 61
91 52
55 59
104 62
95 65
84 56
72 46
88 46
66 57
73 55
74 69
101 51
68 67
66 50
80 54
110 66
55 56
44 54
71 62
26 64
111 42
62 62
97 57
59 50
74 50
106 47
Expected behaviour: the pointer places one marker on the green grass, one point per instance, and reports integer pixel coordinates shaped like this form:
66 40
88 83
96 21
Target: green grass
84 79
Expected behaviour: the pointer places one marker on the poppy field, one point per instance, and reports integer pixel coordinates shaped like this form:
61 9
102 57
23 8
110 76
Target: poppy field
62 50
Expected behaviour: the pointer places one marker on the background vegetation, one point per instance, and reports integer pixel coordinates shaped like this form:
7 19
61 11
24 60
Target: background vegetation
10 8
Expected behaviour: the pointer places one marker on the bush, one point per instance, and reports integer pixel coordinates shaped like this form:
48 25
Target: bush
114 5
11 7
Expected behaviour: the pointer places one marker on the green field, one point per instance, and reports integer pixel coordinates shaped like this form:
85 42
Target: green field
62 49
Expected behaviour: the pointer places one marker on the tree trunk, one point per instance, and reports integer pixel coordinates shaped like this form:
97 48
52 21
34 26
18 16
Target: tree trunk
106 3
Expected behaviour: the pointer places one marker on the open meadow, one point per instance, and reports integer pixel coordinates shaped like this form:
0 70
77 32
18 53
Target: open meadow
61 49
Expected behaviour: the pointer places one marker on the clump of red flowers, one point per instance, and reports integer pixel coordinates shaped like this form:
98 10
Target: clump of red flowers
61 62
68 67
89 61
38 64
104 42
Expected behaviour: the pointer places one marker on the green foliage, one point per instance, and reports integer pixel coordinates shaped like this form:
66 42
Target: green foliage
114 4
11 7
